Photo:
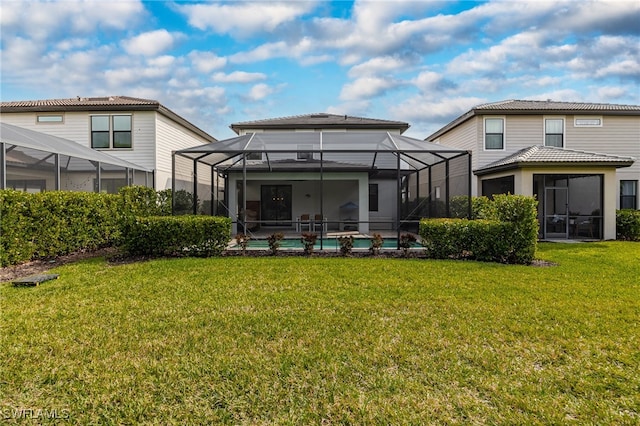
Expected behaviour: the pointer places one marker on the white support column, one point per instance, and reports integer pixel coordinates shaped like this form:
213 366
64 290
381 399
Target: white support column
363 204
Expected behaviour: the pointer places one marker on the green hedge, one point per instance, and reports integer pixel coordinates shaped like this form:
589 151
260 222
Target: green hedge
54 223
628 225
480 239
507 232
176 235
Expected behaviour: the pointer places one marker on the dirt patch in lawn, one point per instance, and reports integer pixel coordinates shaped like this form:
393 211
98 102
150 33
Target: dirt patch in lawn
10 273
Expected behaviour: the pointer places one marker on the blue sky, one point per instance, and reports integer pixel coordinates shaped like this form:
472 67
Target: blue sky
423 62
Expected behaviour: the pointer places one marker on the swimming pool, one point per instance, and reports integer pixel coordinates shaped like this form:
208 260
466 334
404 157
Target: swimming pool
327 244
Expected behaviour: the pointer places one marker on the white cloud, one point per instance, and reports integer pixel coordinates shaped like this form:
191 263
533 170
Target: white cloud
611 93
278 49
260 91
41 20
150 43
206 62
243 18
422 109
366 87
378 65
238 77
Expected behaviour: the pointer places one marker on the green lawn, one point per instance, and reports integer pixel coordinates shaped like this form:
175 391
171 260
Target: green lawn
329 341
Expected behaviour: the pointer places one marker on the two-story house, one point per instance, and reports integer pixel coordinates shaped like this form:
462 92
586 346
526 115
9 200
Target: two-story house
576 158
324 172
140 131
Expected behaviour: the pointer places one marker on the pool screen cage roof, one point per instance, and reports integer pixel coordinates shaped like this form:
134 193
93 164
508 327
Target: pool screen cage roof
381 154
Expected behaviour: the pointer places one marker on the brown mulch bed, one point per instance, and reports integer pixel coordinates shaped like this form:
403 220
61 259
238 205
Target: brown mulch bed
10 273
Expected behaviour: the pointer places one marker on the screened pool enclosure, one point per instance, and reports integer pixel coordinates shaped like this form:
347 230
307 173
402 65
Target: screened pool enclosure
34 162
324 182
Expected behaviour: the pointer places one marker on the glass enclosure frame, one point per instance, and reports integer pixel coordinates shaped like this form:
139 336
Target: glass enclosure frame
412 166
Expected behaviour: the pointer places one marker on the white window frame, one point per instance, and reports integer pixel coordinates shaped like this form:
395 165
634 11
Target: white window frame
564 129
484 133
111 131
598 117
39 116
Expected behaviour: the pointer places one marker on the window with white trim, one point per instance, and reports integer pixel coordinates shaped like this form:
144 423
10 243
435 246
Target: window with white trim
587 122
494 133
50 118
554 132
111 132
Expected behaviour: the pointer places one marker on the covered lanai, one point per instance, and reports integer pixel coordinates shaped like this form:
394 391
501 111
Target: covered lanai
34 162
322 181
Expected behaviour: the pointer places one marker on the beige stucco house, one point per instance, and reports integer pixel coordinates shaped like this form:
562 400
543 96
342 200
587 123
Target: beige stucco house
578 159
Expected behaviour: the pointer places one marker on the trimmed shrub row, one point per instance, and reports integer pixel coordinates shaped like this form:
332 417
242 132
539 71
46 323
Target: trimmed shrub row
506 232
628 225
54 223
202 236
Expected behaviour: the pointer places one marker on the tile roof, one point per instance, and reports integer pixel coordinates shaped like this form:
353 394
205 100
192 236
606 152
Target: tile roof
523 107
549 105
545 155
80 102
320 120
104 103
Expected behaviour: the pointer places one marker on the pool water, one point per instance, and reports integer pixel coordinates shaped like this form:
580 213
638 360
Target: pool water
327 244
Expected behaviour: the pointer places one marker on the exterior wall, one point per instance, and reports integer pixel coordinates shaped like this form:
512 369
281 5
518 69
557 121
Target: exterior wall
466 136
339 188
170 136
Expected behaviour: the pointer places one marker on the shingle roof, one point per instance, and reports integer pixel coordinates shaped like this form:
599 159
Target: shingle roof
545 155
105 103
320 120
522 107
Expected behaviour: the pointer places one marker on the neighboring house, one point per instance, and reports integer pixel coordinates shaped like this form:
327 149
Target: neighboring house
31 161
324 172
578 159
139 131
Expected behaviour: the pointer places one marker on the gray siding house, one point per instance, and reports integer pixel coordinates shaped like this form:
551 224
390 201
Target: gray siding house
139 131
578 159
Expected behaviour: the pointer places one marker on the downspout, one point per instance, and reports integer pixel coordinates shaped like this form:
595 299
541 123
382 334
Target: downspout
99 174
195 187
173 183
3 168
446 186
244 193
57 177
398 198
470 207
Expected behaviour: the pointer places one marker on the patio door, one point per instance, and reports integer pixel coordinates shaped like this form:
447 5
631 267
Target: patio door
556 212
276 205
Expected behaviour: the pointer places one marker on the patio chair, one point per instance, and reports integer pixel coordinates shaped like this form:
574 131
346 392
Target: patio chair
319 223
303 221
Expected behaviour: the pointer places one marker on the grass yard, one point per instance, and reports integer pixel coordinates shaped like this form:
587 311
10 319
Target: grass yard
328 341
